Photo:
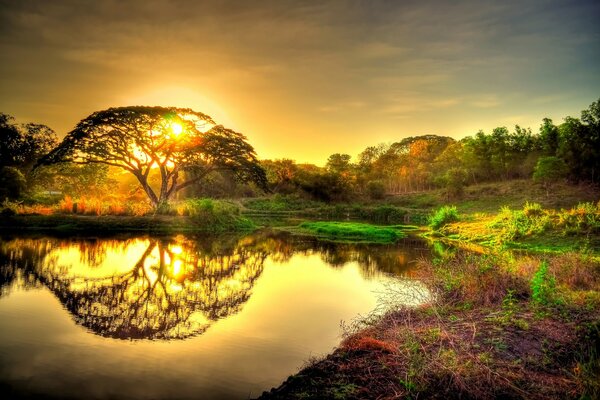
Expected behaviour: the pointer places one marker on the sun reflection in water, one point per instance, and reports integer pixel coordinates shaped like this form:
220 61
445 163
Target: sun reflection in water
156 288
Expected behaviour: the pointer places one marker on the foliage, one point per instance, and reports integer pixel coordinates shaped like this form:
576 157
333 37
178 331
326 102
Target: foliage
518 224
549 170
280 202
534 220
12 183
74 179
543 286
354 231
442 216
454 182
376 190
338 163
9 208
175 141
22 145
215 215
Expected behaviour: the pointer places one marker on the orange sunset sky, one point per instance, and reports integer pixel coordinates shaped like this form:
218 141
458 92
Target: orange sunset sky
304 79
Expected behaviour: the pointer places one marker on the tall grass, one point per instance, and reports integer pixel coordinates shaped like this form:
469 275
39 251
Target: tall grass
442 216
534 220
88 205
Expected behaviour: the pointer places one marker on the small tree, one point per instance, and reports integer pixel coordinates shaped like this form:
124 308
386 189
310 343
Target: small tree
181 144
12 183
549 170
454 182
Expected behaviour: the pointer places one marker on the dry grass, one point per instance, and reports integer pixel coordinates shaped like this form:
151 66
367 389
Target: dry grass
102 206
481 338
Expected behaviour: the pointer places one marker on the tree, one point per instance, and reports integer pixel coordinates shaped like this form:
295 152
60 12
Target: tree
176 142
549 137
338 163
22 145
549 170
12 183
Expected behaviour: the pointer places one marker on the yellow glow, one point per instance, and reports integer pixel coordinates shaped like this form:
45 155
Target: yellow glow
176 250
177 267
176 128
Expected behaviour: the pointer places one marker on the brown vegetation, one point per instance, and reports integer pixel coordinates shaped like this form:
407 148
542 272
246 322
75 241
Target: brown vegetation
483 337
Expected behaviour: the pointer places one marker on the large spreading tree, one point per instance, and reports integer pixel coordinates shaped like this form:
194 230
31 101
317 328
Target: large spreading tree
181 144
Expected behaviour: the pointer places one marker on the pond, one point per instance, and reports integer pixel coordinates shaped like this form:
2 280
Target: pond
182 317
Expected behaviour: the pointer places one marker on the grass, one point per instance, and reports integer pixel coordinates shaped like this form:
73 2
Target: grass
354 231
488 198
443 216
292 206
487 335
532 228
195 215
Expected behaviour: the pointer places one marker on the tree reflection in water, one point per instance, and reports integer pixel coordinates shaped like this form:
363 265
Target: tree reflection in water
171 288
175 289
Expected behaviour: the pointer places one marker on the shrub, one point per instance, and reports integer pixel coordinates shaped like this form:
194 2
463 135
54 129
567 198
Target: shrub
515 224
376 190
543 286
12 183
549 170
533 209
443 216
387 214
214 215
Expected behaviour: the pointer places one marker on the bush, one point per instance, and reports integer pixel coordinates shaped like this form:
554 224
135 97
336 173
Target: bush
279 202
376 190
543 286
443 216
387 214
215 215
12 183
532 220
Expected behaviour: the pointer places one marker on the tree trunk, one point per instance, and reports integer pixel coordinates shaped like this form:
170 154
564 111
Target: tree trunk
149 192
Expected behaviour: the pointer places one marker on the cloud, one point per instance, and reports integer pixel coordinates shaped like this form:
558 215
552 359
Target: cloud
486 101
287 65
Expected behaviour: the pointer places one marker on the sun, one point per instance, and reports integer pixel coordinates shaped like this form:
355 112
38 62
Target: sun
176 128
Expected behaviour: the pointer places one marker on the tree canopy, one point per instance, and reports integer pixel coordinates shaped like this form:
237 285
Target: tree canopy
21 145
183 145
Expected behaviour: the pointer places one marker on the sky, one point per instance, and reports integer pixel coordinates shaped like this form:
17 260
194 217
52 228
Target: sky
304 79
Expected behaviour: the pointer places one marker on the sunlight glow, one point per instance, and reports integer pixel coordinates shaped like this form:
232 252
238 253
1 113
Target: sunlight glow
176 128
177 267
176 250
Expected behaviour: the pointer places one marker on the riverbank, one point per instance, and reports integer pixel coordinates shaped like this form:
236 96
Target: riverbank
502 325
110 224
499 328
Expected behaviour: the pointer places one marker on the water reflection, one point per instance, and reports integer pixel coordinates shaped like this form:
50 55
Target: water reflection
170 288
159 289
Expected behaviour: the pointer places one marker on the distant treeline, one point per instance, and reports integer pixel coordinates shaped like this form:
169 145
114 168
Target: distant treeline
570 150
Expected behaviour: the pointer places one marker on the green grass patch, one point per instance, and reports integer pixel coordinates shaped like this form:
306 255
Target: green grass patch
354 231
443 216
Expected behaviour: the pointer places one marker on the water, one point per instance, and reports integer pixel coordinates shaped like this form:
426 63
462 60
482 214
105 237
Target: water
181 317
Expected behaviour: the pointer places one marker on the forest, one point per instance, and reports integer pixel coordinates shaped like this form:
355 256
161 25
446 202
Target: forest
554 152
